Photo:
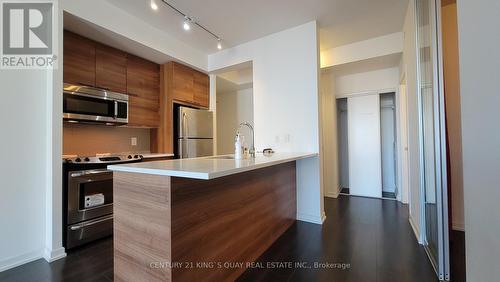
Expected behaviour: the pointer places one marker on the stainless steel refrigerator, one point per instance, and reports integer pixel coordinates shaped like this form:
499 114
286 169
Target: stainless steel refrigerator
194 133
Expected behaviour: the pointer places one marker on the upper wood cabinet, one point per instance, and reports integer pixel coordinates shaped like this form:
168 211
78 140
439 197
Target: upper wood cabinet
143 87
87 62
189 86
79 60
110 69
182 83
201 90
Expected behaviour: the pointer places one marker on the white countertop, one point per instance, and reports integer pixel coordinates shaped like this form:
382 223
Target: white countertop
208 167
156 155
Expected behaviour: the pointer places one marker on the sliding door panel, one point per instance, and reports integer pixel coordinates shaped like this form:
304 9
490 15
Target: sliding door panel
365 168
432 138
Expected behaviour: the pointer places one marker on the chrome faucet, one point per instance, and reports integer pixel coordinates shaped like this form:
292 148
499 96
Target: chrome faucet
252 149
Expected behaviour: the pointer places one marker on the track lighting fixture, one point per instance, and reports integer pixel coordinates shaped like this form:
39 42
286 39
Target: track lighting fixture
188 21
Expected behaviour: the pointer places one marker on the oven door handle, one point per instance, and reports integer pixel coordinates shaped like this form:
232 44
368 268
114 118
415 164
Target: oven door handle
89 172
86 224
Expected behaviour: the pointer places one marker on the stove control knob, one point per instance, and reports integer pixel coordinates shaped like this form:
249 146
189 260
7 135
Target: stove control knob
136 156
87 159
129 156
78 160
141 157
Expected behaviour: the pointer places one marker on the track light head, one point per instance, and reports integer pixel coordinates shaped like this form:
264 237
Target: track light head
219 44
153 5
187 23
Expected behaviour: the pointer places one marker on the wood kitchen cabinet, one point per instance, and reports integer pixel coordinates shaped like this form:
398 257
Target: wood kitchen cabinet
179 84
182 83
143 87
87 62
201 90
79 60
189 86
110 69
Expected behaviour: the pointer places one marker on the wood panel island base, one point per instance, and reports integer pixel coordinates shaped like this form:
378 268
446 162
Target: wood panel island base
184 229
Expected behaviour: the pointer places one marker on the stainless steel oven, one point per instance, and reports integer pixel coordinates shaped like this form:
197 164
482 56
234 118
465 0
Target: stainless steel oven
84 211
88 198
95 105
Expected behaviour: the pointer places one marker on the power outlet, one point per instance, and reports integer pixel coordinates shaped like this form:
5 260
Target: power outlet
286 138
133 141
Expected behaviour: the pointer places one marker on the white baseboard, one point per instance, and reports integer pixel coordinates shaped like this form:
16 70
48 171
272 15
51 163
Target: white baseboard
20 260
311 218
459 226
334 194
331 195
53 255
416 230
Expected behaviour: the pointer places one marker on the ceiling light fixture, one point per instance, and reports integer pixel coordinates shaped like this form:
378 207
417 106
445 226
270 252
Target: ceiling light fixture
188 21
153 5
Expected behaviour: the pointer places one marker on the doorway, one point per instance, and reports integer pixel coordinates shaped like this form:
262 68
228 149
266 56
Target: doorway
234 105
388 141
343 141
367 145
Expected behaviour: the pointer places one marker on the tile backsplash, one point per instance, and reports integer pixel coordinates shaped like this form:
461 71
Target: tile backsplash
87 140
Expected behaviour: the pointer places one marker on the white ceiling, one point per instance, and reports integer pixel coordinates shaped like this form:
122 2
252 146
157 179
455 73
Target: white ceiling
238 21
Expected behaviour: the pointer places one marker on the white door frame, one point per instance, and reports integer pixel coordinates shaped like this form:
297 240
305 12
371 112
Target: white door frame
402 134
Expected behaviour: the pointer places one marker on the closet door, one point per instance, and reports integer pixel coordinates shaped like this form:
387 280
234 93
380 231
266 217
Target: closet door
365 168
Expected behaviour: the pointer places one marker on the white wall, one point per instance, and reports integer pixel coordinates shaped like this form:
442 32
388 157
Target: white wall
363 50
409 68
23 149
233 108
31 144
286 106
479 42
53 197
329 136
372 81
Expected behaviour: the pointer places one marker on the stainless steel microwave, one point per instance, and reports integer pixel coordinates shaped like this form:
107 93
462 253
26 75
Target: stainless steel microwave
95 105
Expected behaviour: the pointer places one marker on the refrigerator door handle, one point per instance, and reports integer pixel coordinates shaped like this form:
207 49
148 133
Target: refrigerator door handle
184 135
185 121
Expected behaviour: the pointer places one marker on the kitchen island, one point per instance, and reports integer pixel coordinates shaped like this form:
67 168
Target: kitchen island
202 219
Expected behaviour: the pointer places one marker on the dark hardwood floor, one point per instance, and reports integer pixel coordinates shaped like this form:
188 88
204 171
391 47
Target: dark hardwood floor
370 236
93 262
457 254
